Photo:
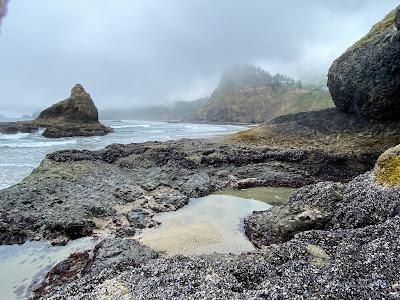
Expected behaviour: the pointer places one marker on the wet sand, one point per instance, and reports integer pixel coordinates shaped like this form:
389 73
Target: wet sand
207 225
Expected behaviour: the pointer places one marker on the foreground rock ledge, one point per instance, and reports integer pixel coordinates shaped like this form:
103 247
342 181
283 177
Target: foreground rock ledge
75 116
343 243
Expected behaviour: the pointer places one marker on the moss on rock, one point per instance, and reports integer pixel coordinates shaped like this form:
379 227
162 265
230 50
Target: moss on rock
379 27
387 169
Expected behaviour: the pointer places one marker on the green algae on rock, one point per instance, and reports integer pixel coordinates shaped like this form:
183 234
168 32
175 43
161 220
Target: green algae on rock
387 169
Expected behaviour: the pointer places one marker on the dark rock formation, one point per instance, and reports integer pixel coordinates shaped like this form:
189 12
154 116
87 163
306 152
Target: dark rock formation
365 80
111 253
362 202
18 127
309 208
328 130
75 116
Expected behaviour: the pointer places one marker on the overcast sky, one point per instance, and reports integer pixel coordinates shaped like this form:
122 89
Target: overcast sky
136 52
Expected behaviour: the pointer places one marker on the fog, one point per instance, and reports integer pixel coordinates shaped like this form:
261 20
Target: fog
135 53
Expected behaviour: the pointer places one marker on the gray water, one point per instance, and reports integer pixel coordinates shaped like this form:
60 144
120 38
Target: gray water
21 153
21 264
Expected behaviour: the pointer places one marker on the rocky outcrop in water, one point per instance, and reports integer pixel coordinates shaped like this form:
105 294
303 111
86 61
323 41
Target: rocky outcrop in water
75 116
365 80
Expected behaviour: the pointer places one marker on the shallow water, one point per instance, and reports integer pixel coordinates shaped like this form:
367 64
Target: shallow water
206 225
270 195
20 264
21 153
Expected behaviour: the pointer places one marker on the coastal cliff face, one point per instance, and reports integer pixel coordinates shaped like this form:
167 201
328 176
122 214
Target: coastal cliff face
247 94
75 116
365 80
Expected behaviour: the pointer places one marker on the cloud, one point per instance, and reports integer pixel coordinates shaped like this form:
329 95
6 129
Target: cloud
133 53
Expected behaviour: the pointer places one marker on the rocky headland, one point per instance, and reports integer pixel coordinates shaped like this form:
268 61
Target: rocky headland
337 238
249 94
75 116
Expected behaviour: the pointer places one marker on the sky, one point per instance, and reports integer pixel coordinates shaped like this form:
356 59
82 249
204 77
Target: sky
129 53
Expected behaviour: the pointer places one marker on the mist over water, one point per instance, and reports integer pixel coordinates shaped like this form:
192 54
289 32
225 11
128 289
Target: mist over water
21 153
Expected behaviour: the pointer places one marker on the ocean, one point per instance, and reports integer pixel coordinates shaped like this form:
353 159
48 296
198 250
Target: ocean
21 153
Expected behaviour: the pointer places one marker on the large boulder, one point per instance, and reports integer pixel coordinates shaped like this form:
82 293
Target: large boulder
365 80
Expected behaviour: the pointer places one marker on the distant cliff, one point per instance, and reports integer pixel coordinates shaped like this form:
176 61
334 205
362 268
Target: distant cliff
249 94
180 111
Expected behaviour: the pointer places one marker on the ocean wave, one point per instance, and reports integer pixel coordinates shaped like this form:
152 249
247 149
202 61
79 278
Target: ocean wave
39 144
130 126
16 136
18 165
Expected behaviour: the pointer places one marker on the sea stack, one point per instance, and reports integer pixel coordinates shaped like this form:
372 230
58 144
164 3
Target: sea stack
75 116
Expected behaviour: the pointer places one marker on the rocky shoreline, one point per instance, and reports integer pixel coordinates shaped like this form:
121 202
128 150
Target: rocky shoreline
73 190
338 237
332 240
117 191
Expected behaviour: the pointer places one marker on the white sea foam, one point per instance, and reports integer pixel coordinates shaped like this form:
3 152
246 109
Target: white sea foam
39 144
21 153
130 126
17 136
